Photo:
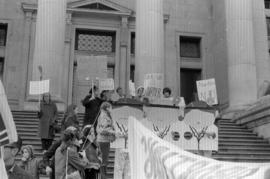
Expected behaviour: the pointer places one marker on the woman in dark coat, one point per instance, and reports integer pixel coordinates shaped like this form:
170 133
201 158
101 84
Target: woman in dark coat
70 117
47 121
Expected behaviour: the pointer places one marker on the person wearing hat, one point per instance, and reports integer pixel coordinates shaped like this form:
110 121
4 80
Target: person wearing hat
29 162
13 170
49 155
68 162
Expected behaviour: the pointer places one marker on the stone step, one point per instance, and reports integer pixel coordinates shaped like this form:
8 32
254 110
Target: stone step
224 140
247 145
240 153
243 159
236 133
234 130
241 136
243 149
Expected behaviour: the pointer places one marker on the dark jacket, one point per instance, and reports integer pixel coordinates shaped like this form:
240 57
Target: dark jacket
75 163
32 166
92 151
18 173
49 154
47 120
70 120
91 109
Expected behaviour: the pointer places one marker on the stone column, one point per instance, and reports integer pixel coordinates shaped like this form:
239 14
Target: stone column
50 43
241 54
261 42
149 39
25 54
124 70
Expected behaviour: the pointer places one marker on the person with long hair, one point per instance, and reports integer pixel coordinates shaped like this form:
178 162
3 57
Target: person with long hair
70 117
29 162
68 163
47 121
105 134
92 150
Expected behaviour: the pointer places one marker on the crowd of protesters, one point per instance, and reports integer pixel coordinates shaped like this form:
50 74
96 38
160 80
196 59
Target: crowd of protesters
82 151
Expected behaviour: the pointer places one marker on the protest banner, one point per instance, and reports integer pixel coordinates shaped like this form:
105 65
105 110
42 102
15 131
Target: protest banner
39 87
154 158
153 85
105 84
8 132
166 120
207 91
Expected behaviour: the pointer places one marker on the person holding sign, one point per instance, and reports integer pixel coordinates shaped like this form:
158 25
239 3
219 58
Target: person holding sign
47 121
91 103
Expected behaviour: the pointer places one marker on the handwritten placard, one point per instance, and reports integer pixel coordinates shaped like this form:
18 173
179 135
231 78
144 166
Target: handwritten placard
106 84
153 85
39 87
207 91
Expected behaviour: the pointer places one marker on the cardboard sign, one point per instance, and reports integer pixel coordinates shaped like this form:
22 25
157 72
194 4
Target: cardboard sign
152 157
39 87
132 90
207 91
106 84
153 85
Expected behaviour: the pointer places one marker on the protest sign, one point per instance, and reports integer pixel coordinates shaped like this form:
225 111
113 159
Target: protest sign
106 84
132 90
152 157
39 87
153 85
207 91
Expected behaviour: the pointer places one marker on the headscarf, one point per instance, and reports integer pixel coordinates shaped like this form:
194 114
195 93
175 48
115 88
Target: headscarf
30 150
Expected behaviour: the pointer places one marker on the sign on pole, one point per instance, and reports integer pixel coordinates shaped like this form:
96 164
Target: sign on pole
207 91
106 84
39 87
132 90
153 85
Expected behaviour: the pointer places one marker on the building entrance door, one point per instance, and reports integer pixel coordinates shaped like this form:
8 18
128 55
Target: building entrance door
87 70
188 83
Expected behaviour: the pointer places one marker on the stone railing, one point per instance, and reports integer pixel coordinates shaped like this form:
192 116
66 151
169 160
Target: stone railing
256 117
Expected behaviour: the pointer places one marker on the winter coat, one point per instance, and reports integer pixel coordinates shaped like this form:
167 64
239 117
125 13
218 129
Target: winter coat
70 120
47 120
31 166
105 128
17 172
91 109
92 151
75 163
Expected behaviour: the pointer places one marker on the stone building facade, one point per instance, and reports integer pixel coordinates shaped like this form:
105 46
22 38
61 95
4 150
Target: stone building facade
225 40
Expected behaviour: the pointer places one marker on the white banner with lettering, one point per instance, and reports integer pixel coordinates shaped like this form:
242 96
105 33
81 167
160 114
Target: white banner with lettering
39 87
154 158
207 91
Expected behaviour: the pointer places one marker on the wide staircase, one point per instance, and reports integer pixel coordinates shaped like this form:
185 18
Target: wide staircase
236 142
27 127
